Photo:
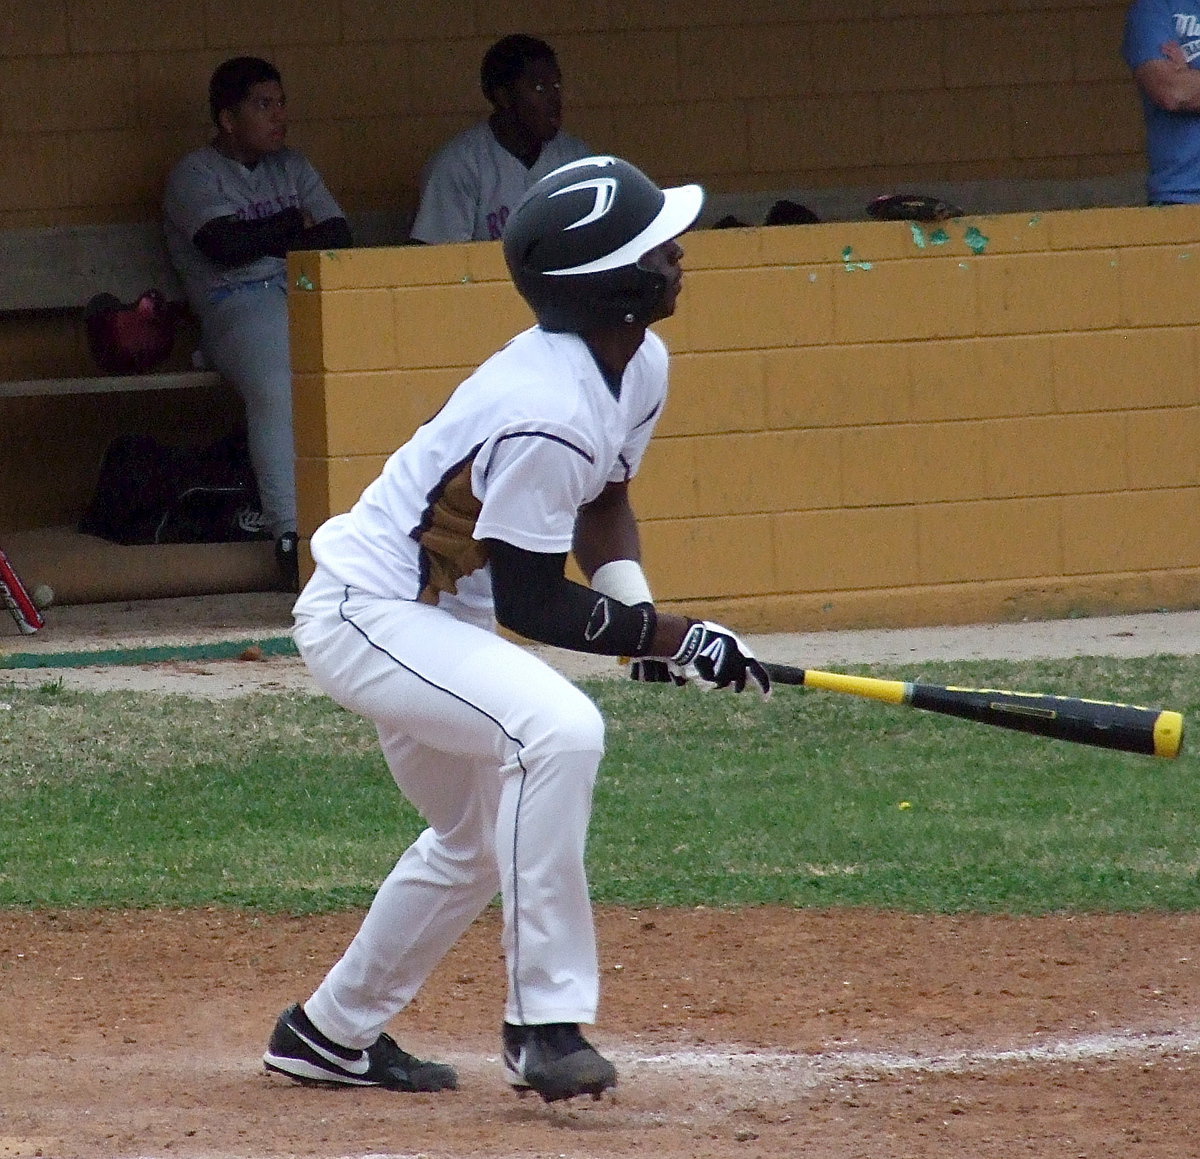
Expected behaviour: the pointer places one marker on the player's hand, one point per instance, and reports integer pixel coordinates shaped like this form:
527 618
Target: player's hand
713 657
1172 50
650 670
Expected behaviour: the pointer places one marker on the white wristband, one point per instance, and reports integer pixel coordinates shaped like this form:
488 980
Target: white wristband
622 580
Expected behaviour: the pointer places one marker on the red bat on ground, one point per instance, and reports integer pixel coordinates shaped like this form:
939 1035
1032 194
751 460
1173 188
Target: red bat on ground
17 600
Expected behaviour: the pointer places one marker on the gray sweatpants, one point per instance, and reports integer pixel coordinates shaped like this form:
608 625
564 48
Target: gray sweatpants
244 336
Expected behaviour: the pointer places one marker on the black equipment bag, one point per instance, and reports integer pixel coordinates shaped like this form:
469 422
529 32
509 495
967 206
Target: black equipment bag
151 493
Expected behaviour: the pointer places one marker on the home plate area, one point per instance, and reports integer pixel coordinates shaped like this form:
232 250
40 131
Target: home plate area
755 1032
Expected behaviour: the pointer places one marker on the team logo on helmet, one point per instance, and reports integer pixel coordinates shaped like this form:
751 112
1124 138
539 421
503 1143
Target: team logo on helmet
605 189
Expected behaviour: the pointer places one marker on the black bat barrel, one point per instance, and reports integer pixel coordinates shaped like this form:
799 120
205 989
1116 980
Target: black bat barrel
1125 727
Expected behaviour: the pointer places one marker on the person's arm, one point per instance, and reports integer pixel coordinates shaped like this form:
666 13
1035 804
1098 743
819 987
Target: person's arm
534 598
1171 83
606 530
331 234
608 549
325 225
229 242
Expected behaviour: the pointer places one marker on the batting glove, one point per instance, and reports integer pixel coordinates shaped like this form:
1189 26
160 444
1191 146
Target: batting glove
652 671
713 657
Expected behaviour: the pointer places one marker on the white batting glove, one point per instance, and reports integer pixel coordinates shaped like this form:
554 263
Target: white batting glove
713 657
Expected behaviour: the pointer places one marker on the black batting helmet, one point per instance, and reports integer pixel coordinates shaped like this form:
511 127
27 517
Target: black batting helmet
573 243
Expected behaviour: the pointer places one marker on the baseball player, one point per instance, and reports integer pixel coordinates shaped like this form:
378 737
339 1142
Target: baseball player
231 211
472 182
469 523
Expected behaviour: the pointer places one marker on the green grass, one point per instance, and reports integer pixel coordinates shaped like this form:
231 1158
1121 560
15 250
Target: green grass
814 799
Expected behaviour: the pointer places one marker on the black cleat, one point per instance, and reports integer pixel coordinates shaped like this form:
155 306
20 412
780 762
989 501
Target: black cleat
300 1051
555 1060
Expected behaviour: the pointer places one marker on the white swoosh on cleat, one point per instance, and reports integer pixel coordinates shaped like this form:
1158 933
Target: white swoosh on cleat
516 1064
360 1066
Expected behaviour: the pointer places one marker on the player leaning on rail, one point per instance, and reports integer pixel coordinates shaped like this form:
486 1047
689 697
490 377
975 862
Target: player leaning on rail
471 523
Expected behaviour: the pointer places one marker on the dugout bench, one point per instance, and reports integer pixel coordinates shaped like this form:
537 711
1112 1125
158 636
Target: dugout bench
59 269
47 277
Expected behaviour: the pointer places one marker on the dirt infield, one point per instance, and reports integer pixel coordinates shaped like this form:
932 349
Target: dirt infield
750 1033
754 1033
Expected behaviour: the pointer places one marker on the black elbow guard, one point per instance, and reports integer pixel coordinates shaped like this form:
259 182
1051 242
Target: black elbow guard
535 599
616 629
578 618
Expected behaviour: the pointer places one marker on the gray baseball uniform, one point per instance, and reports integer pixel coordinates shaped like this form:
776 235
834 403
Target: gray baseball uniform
243 310
472 183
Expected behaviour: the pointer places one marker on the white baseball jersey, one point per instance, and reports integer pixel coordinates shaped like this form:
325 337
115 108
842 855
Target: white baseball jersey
497 750
518 448
473 183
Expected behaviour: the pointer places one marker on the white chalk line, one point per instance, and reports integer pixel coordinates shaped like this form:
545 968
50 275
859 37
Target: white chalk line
851 1064
784 1071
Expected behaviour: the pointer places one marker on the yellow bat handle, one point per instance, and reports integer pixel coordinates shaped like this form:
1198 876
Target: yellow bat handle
891 691
1123 727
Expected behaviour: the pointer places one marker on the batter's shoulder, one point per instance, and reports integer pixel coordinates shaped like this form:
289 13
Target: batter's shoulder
654 351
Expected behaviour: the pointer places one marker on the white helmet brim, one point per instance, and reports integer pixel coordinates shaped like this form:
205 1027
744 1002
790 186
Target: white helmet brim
681 206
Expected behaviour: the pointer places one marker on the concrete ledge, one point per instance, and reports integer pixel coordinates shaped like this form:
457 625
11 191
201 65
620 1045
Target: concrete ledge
84 569
109 384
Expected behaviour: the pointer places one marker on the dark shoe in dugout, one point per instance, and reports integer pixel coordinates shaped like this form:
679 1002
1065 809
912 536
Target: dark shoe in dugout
287 556
300 1051
555 1060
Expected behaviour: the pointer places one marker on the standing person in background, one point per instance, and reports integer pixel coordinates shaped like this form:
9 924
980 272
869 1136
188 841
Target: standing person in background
232 211
470 524
1162 40
475 180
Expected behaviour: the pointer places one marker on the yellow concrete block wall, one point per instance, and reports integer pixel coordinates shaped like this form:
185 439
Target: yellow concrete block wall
100 96
868 425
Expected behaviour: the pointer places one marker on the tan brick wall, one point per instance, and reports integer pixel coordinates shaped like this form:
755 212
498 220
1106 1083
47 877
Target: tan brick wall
98 97
878 424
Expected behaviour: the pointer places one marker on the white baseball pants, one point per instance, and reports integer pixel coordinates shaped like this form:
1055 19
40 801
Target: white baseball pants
499 753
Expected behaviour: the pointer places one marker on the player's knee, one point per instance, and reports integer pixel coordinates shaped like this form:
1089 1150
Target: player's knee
575 726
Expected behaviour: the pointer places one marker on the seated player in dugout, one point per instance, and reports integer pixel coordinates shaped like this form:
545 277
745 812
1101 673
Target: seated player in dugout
473 182
471 523
232 211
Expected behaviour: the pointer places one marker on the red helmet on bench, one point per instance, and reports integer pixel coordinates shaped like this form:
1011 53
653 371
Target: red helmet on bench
130 339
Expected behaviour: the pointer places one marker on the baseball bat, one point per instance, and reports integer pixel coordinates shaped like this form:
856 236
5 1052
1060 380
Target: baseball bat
1128 728
17 600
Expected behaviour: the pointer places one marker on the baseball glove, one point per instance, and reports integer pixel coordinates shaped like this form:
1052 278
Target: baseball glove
911 207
